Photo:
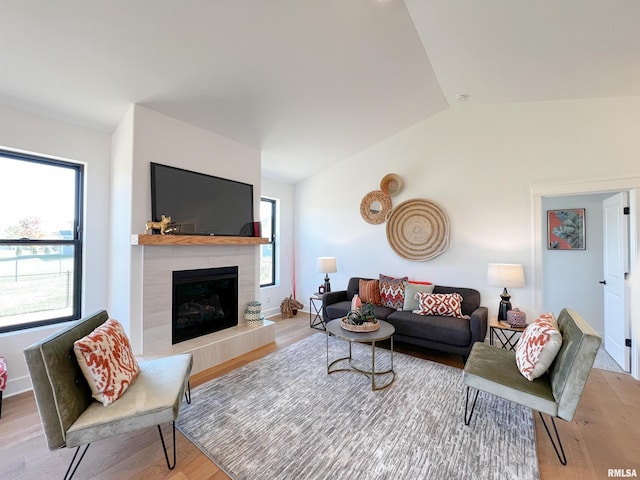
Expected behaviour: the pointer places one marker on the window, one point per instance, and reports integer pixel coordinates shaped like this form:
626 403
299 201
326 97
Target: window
40 241
268 250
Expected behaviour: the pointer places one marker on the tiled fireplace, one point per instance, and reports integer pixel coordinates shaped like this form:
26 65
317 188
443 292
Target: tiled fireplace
159 264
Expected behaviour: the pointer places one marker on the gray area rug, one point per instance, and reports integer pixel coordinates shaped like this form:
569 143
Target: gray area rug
284 417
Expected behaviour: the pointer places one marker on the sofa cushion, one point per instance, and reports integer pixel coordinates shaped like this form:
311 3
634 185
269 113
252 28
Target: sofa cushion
369 291
153 399
353 286
538 347
382 313
392 291
447 330
410 290
107 362
340 309
492 369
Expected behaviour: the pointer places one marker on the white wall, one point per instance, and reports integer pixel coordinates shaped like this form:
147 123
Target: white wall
571 276
270 297
478 163
30 133
121 209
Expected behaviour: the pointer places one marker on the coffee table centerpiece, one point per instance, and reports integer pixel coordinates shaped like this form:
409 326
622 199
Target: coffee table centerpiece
361 320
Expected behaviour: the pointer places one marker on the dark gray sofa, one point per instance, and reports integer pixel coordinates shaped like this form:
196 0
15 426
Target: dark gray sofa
447 334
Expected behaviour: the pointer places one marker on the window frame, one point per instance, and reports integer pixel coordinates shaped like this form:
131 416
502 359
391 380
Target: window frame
272 241
75 242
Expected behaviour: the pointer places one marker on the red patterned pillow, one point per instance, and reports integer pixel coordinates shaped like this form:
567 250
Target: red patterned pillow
3 374
392 292
538 346
369 291
443 304
107 362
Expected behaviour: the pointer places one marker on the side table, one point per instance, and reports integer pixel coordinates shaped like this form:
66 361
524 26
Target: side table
507 335
315 312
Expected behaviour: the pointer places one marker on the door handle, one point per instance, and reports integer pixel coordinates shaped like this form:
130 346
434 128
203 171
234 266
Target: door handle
603 282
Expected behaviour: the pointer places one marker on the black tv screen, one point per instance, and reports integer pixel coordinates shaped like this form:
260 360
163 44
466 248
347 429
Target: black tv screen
201 204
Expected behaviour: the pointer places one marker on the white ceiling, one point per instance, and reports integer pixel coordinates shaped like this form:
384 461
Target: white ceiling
309 82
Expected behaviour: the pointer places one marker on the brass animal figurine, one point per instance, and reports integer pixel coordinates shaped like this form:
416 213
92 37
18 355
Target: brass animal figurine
162 225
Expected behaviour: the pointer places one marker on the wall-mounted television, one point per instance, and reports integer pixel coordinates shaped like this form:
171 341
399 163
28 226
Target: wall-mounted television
201 204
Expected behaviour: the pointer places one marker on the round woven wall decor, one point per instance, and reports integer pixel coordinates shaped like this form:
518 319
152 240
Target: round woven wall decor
418 230
375 215
391 184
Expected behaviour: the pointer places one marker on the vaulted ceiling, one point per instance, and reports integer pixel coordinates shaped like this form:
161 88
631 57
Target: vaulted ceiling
309 82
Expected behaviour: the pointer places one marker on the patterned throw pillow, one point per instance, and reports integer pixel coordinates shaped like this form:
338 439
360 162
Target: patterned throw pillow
443 304
392 292
3 374
369 291
107 362
538 346
410 297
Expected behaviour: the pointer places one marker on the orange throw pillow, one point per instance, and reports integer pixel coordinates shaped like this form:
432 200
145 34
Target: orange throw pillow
369 291
107 362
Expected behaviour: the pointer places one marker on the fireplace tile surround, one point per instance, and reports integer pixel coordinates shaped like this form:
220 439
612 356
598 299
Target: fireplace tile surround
159 263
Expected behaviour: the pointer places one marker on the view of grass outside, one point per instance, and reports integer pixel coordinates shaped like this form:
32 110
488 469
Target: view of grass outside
35 285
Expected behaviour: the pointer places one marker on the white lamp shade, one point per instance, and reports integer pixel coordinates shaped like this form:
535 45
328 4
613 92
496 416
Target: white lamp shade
326 265
505 275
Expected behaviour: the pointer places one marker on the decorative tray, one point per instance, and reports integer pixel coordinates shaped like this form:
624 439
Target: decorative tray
365 327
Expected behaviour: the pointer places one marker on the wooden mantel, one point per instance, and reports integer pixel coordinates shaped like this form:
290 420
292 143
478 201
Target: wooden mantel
143 239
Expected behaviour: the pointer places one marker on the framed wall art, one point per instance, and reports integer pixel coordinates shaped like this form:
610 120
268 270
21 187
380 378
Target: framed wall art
566 229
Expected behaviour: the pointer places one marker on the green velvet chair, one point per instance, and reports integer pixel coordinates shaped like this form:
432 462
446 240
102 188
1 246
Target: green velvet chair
556 393
72 418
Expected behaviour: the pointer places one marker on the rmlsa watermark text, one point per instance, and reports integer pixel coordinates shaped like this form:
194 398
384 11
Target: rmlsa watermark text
622 473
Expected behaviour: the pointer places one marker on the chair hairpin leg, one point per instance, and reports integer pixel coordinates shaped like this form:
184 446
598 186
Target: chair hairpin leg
560 454
187 393
164 447
73 466
467 419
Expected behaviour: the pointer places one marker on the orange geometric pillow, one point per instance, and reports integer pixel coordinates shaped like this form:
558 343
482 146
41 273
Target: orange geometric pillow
107 362
442 304
538 346
369 291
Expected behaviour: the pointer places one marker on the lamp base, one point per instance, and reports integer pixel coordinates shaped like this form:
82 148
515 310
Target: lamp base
327 283
505 305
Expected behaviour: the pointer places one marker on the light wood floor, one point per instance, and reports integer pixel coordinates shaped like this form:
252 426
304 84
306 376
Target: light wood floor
605 433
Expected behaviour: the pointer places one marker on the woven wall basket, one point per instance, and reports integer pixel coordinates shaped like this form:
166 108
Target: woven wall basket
374 216
391 184
418 230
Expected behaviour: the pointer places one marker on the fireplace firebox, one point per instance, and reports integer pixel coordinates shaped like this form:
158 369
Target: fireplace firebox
204 301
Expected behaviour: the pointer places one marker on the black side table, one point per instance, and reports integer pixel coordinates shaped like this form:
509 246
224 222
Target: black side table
507 335
315 312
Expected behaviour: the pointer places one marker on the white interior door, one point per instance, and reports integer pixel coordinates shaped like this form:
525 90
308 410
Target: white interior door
616 320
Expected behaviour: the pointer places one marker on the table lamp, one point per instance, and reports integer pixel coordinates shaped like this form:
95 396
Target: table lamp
326 265
505 275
